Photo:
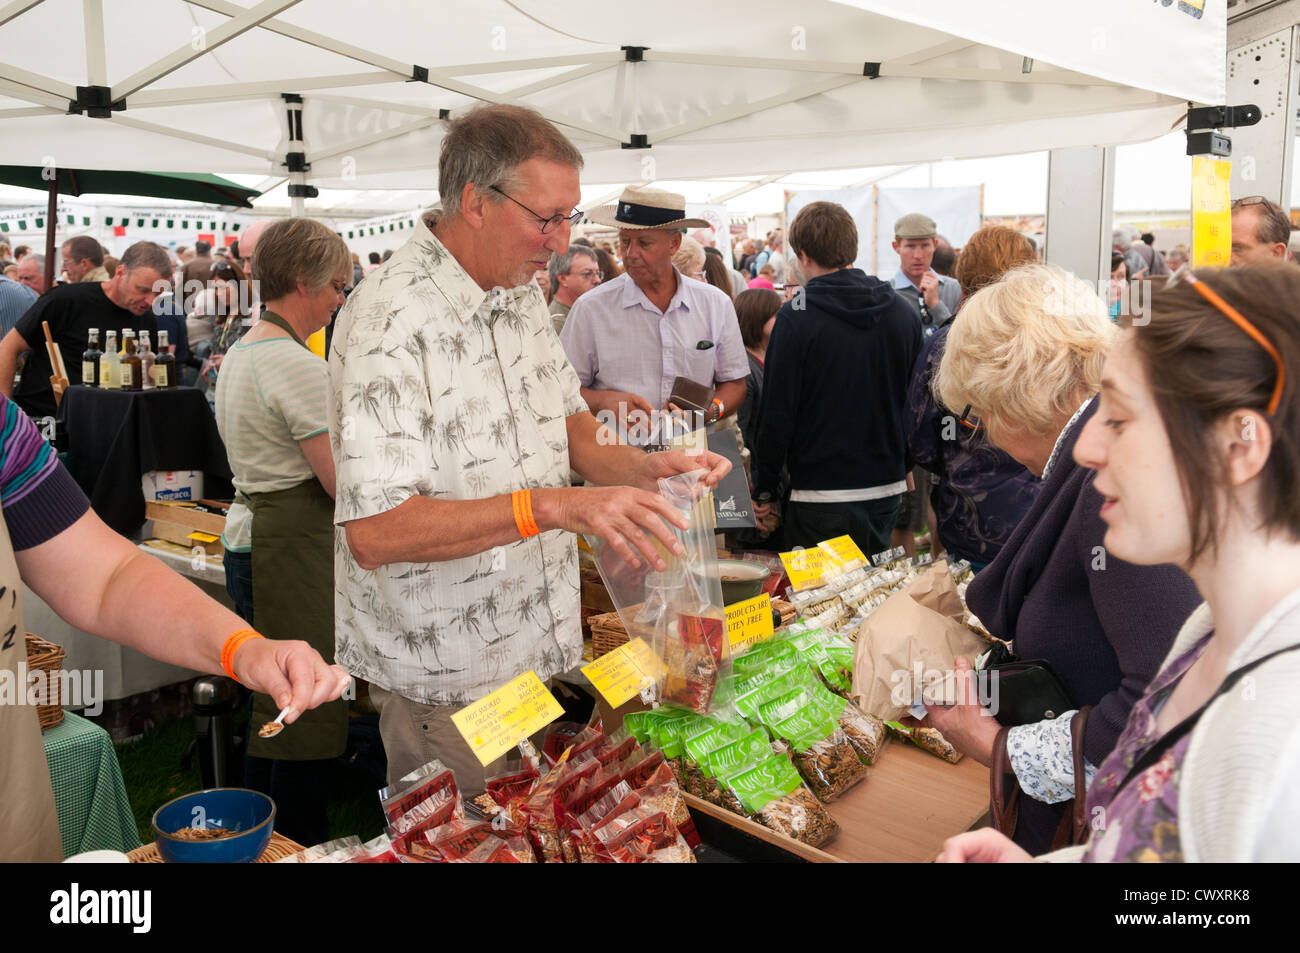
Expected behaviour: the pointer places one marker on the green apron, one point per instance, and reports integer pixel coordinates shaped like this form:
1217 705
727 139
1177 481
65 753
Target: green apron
293 598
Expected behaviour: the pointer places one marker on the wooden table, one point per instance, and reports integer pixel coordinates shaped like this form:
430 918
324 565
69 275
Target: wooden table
907 806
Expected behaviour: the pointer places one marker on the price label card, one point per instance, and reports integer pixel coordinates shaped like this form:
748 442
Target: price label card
806 567
203 537
620 675
749 623
497 722
843 549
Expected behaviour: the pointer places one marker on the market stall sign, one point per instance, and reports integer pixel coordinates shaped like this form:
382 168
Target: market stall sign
806 567
749 623
620 675
497 722
1211 212
844 550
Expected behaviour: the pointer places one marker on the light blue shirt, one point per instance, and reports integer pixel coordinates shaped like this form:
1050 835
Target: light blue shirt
15 299
940 314
616 339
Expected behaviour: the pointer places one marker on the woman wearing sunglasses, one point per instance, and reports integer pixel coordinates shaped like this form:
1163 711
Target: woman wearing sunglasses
1025 359
1197 459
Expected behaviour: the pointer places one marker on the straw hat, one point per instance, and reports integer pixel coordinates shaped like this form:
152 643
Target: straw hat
640 208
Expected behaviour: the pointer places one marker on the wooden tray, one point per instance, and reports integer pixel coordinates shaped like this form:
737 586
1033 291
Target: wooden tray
277 849
907 806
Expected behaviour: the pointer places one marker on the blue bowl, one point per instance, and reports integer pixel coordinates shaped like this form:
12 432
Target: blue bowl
250 813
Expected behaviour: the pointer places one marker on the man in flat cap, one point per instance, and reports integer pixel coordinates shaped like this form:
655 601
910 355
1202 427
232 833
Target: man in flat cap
933 296
630 338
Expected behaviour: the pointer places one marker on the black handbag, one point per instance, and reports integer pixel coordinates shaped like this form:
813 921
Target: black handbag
1022 691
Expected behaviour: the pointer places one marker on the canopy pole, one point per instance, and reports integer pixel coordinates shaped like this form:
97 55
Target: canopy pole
1080 210
295 159
51 222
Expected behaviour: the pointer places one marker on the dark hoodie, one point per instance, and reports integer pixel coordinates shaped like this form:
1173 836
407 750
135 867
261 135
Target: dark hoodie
835 386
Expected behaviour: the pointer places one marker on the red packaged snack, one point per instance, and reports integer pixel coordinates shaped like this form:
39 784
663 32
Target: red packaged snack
513 782
418 786
494 850
457 840
616 801
377 851
615 748
643 835
558 737
539 814
637 775
435 811
667 797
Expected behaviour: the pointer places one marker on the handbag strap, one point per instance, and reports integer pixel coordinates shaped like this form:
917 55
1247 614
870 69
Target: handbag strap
1075 820
1175 734
1004 789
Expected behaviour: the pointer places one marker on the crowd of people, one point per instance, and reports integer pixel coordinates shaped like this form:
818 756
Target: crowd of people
407 506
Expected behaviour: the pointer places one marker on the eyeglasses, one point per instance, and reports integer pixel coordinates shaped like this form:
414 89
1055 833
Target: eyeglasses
969 420
589 275
573 218
1232 314
1251 200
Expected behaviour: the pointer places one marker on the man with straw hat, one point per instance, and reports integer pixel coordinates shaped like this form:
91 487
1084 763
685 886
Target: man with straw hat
632 337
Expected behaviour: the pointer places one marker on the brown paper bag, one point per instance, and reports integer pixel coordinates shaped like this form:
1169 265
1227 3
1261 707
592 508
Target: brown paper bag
921 624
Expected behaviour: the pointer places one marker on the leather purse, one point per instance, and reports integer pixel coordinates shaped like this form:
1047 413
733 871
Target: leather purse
1005 793
1027 689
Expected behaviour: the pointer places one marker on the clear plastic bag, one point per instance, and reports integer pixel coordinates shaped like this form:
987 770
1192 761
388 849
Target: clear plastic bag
773 793
678 611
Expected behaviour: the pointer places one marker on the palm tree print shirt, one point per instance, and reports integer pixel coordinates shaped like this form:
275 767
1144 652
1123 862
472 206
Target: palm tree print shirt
442 389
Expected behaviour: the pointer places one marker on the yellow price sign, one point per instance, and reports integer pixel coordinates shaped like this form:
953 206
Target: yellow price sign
497 722
620 675
749 623
843 549
806 567
1211 212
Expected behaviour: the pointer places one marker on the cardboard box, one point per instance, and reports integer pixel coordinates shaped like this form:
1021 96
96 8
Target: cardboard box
207 516
172 485
187 537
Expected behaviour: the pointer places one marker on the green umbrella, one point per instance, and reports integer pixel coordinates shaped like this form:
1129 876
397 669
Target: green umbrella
185 186
189 187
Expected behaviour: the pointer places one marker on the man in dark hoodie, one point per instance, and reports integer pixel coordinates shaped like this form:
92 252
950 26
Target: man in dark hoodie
835 386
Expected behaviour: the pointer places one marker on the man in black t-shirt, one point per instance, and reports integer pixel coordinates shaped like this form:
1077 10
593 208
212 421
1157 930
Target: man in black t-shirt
124 301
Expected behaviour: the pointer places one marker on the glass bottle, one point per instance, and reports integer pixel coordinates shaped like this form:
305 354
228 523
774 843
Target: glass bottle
130 362
90 360
110 365
164 366
147 358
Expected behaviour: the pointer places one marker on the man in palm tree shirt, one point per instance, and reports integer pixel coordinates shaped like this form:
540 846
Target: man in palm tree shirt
450 394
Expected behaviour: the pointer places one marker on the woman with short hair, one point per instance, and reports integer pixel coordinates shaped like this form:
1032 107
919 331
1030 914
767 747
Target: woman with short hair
272 412
1195 450
1024 363
979 493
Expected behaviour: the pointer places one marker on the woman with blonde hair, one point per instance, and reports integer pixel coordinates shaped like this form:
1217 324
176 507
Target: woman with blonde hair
979 493
1195 450
272 412
689 259
1024 364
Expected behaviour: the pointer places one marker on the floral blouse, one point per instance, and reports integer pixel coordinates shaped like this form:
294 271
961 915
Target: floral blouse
1139 823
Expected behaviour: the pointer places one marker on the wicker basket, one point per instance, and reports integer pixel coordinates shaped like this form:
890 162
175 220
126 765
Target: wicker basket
277 849
608 633
48 658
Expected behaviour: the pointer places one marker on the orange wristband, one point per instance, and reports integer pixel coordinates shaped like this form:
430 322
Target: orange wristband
522 503
232 646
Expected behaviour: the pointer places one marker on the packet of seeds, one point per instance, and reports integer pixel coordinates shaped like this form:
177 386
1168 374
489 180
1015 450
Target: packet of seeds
774 794
821 751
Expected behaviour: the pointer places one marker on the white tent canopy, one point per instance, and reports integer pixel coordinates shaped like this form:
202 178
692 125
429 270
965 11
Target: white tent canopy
732 88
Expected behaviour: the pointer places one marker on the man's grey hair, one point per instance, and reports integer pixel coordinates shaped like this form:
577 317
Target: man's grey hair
560 264
486 145
147 255
39 259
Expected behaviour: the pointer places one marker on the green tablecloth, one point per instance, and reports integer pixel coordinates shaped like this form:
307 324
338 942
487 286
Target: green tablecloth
94 813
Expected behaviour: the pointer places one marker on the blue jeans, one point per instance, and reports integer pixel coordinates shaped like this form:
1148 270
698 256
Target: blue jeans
239 582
